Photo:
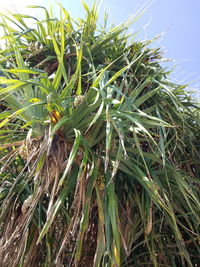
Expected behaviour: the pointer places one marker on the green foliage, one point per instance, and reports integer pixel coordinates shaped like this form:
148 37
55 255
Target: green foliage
100 151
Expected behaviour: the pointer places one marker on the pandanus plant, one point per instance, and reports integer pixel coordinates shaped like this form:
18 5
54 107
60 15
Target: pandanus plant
99 149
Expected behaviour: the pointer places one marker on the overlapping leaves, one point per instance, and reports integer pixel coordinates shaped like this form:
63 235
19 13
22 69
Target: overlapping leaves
99 150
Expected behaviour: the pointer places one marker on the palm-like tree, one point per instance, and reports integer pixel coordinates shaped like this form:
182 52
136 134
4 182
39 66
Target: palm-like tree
100 151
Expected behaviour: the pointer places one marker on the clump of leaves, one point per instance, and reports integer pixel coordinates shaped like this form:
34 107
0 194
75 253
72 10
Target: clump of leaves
100 151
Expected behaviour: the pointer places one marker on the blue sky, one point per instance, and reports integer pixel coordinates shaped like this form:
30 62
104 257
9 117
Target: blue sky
178 19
